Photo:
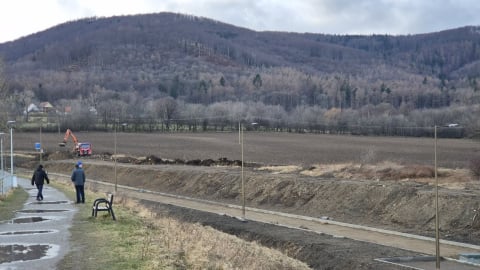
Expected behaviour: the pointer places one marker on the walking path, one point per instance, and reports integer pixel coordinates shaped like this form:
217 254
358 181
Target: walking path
38 237
450 250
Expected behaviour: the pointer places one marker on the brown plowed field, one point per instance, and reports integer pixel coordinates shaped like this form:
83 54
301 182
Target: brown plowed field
380 182
268 148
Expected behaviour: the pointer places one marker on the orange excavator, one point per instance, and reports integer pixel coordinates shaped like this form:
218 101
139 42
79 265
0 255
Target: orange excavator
81 149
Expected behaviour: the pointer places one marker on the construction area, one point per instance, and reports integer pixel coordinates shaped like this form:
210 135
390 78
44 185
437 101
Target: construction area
387 184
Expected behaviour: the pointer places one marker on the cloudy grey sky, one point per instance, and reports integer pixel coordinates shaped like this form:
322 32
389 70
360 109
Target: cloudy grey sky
23 17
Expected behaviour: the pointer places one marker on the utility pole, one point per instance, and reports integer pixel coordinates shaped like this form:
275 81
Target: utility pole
437 233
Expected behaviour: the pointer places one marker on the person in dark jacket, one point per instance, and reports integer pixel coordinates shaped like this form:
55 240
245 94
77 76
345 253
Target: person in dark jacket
78 179
38 178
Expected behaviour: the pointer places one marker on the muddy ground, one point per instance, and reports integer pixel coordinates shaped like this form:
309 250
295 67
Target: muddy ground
266 148
378 185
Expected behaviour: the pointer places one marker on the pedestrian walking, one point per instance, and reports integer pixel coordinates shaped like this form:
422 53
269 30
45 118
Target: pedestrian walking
78 179
38 178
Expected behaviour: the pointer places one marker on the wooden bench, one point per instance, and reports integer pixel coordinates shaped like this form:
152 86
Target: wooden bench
103 204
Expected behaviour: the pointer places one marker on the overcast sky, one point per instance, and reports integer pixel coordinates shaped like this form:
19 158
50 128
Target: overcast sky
23 17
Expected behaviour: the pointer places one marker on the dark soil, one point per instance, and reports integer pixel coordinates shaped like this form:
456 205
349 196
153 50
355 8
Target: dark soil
206 166
318 251
266 148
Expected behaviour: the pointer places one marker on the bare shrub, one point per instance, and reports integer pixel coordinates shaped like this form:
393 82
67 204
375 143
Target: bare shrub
423 171
475 167
412 171
368 156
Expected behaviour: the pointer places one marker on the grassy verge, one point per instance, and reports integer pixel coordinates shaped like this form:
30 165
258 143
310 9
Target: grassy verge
11 202
140 240
101 243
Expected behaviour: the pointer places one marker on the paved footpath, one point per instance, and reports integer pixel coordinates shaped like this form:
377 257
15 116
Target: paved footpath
38 237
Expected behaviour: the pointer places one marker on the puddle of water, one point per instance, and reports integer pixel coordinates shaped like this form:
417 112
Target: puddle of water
49 202
24 232
17 252
40 211
28 220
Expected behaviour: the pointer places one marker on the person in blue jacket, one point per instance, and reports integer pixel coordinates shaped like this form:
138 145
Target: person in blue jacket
38 178
78 179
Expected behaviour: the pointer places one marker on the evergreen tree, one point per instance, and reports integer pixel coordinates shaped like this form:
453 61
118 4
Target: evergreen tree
257 81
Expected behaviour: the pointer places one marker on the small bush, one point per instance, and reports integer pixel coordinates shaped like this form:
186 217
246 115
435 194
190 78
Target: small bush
410 171
475 167
368 156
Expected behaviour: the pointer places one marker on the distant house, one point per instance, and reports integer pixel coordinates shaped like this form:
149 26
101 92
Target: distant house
46 106
32 108
92 110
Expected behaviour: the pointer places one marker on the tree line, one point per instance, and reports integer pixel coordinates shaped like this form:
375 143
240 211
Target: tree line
170 116
324 104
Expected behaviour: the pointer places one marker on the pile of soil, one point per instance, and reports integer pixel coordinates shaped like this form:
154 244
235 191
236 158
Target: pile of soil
405 205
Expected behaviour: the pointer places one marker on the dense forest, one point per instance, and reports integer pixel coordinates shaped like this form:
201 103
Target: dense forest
178 70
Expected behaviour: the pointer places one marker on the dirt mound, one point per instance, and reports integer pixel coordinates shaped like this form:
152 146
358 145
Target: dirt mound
400 205
150 160
154 160
388 171
385 194
59 155
31 160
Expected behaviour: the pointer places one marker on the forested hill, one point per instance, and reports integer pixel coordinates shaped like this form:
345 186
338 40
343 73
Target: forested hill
192 60
146 39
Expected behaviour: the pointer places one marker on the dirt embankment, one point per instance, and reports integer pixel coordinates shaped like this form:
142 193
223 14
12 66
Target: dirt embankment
327 176
319 251
382 195
404 205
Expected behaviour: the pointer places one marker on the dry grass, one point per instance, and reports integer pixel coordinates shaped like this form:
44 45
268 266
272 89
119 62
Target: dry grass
192 246
448 178
339 170
280 169
140 239
474 167
12 201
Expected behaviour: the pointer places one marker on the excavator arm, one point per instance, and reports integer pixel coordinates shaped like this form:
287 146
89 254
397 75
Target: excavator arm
68 134
81 149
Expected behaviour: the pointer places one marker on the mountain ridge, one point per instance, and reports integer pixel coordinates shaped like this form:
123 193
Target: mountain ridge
253 48
144 64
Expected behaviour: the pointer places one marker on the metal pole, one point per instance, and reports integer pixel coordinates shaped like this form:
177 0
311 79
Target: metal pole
1 151
41 150
1 158
239 127
58 124
243 182
115 152
115 155
437 233
11 155
11 151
